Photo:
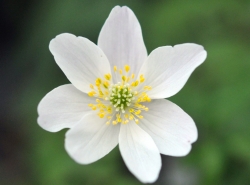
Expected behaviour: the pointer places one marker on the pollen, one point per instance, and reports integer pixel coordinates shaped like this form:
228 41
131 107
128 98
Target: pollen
120 103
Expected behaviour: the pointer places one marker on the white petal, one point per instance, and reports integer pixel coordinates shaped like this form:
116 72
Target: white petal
172 130
139 153
121 39
91 139
62 108
80 60
168 68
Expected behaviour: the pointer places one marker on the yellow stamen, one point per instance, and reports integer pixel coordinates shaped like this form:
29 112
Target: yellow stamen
106 84
124 78
92 93
101 115
142 78
101 93
127 68
98 82
108 76
140 116
138 112
136 83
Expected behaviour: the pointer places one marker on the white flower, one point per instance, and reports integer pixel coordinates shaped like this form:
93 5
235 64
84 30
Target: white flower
117 96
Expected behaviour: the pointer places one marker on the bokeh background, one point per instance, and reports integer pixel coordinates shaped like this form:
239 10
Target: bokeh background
217 95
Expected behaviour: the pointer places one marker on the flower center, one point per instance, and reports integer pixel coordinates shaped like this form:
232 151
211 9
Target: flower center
121 97
120 102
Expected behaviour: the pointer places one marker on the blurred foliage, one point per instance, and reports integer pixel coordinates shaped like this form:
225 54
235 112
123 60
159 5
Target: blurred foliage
217 95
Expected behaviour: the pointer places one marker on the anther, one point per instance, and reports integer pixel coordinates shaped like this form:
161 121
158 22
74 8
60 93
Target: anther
127 68
107 76
124 78
101 115
98 82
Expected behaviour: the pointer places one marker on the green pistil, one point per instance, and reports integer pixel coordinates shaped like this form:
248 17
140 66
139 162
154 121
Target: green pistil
120 98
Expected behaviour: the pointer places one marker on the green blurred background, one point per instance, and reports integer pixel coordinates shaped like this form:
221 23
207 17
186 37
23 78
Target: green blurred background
217 95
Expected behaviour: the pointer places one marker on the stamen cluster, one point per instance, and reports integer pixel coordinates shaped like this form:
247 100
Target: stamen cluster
121 97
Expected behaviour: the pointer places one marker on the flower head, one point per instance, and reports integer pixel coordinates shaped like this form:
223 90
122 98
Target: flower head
117 96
